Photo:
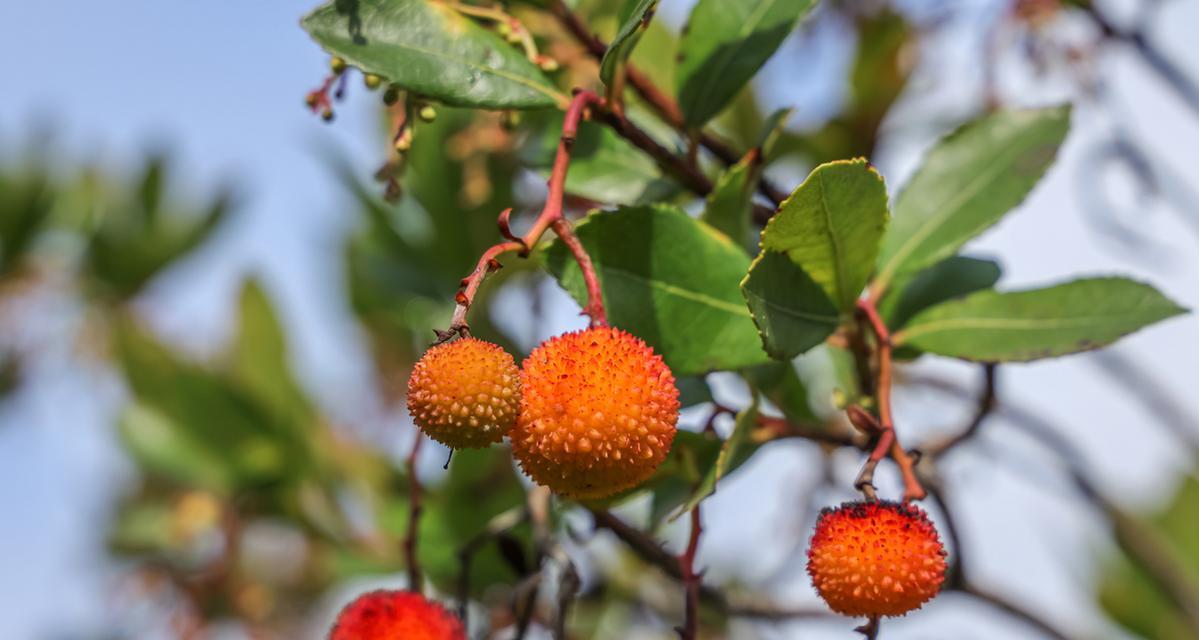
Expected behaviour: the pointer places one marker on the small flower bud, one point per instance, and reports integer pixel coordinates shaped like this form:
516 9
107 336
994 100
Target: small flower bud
427 113
372 81
337 64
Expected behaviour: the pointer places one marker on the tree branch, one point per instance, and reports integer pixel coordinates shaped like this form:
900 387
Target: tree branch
415 582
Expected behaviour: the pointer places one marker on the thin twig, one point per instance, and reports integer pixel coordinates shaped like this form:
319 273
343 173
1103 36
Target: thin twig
691 579
1016 611
986 405
551 216
568 587
414 512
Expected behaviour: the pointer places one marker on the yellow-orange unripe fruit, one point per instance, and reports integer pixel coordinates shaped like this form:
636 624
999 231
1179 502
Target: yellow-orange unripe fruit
597 415
876 558
465 394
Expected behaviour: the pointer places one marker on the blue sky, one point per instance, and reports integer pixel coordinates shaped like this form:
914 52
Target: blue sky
220 84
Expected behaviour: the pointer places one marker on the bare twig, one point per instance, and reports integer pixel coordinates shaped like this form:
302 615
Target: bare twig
414 512
691 578
1016 611
986 404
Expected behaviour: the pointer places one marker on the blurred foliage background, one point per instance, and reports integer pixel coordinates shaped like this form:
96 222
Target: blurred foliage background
250 505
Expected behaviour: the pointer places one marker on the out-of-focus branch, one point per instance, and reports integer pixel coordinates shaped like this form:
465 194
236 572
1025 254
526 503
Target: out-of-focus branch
986 404
1141 544
1182 84
692 579
1141 384
412 537
1016 611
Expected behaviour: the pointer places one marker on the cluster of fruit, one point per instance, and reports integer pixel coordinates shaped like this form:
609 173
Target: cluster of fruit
589 414
592 413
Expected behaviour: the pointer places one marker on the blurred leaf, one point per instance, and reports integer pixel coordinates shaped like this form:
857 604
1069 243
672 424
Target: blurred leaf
948 279
735 451
634 19
831 226
1127 592
481 484
193 425
1019 326
433 51
669 279
723 46
260 361
130 247
792 313
967 183
604 167
26 202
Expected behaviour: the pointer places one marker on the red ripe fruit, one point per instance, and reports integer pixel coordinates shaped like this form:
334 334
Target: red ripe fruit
465 394
876 558
598 413
395 615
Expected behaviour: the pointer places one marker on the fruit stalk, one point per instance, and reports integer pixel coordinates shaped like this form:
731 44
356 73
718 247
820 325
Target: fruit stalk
888 440
551 216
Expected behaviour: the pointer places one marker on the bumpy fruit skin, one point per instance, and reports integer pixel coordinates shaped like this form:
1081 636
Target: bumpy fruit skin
876 558
395 615
465 394
597 415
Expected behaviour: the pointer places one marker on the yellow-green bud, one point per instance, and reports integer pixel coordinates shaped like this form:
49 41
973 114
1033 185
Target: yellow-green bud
372 81
427 113
337 64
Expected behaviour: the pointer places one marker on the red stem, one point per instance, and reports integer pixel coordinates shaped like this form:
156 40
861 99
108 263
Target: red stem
414 512
550 217
888 440
691 580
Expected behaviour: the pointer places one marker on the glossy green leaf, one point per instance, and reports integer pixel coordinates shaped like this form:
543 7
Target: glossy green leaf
735 450
967 183
1018 326
724 45
831 226
672 281
604 167
634 19
951 278
791 311
433 51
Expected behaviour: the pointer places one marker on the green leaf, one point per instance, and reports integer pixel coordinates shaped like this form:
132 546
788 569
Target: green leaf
792 312
727 208
831 227
693 390
669 279
724 45
733 453
967 183
604 167
634 19
729 205
1019 326
951 278
780 383
433 51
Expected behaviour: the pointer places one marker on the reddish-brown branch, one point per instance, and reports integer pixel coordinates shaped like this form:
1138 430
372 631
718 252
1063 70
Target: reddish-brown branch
907 464
663 104
551 216
414 512
691 579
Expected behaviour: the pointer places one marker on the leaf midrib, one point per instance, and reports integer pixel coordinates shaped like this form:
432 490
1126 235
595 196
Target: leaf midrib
688 294
946 211
817 318
1014 324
